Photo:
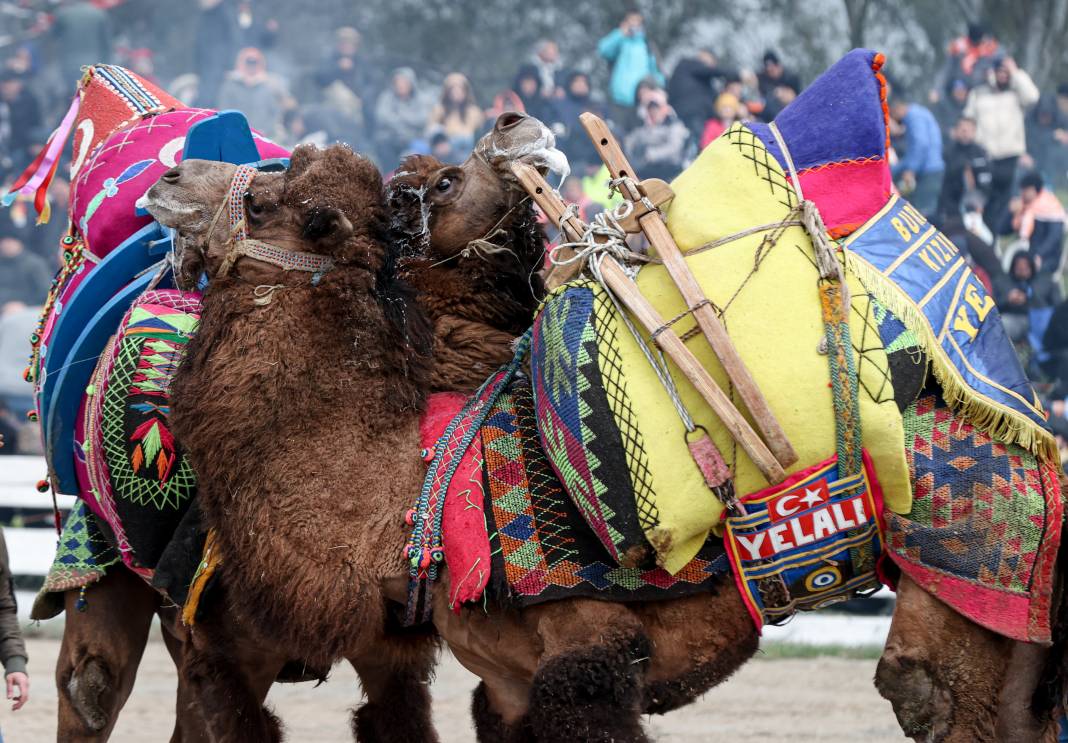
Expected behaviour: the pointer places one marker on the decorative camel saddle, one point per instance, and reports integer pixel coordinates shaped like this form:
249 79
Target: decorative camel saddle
751 395
113 326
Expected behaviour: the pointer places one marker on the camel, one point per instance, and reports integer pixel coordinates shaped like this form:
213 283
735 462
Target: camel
544 676
947 678
476 311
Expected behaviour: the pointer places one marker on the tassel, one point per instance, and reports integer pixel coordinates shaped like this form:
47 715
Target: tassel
81 604
36 178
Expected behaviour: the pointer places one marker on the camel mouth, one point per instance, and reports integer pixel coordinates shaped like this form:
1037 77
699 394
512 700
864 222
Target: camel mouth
165 209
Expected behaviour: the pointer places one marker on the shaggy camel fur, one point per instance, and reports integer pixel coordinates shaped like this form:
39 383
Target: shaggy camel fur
297 414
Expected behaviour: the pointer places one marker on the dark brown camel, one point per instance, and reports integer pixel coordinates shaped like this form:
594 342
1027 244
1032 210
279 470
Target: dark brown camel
546 678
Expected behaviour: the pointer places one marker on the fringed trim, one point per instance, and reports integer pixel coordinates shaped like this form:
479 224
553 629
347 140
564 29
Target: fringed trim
1002 423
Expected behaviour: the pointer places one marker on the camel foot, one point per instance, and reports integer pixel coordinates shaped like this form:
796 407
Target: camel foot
490 727
923 709
592 694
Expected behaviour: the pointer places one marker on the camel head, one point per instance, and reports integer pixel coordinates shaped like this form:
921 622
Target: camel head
329 202
441 208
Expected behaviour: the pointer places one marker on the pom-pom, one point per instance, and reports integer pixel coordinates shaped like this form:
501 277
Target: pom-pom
42 486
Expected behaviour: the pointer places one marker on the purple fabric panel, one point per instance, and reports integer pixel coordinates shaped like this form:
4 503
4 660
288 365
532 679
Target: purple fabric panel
838 117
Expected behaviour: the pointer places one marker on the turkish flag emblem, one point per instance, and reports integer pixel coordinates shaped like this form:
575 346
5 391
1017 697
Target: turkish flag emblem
794 502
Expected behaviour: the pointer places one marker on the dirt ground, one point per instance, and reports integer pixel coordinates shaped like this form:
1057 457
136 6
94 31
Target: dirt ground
812 699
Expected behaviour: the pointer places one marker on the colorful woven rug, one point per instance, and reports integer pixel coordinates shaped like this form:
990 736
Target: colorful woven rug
985 523
83 555
542 547
138 475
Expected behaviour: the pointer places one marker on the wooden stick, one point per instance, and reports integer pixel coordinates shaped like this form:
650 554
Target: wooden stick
554 209
627 291
711 327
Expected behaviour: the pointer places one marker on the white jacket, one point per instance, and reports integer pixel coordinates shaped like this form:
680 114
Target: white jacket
999 115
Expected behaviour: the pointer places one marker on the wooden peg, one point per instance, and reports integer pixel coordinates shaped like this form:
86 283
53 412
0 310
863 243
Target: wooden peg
555 210
628 293
652 224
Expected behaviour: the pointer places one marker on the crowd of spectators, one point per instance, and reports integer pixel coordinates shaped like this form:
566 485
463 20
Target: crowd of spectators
983 153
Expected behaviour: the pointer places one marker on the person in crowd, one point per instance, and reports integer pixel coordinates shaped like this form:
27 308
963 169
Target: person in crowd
777 86
595 178
254 91
546 60
998 107
693 88
968 58
527 87
24 277
9 434
400 112
950 108
20 123
657 148
1055 342
1038 218
577 100
1023 294
253 29
345 66
1047 142
573 193
967 169
441 148
457 114
505 100
728 110
214 47
12 647
920 172
82 35
627 50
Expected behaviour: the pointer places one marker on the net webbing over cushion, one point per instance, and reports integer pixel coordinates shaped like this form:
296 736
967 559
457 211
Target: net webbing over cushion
141 478
767 291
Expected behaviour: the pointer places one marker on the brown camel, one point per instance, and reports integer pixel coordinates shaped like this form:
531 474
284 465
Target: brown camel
545 677
475 319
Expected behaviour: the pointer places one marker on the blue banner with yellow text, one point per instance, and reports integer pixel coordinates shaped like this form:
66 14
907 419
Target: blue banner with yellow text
898 252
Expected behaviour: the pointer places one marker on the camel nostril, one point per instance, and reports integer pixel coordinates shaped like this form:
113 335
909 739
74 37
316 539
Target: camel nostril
171 176
509 120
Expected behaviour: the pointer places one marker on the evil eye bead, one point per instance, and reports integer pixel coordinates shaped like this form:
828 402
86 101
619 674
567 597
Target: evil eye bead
437 554
409 517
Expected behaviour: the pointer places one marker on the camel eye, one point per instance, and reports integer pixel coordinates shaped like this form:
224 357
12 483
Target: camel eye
444 185
254 209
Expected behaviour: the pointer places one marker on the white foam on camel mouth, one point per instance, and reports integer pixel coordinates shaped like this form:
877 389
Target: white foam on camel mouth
539 153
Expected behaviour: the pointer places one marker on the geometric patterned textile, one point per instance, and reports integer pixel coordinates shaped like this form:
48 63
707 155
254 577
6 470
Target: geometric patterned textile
83 555
542 547
587 425
139 475
985 525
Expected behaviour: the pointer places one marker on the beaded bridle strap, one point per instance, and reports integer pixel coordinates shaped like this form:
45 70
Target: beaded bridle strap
242 245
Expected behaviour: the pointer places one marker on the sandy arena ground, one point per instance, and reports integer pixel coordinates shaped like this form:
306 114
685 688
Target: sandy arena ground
816 699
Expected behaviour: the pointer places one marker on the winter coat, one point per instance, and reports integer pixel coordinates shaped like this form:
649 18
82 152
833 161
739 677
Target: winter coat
12 648
923 139
691 90
999 115
658 150
402 119
632 61
262 102
24 278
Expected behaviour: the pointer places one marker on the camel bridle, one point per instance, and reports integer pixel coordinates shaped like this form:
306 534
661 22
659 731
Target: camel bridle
241 244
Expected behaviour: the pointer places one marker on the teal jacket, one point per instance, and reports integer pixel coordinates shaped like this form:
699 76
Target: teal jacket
631 63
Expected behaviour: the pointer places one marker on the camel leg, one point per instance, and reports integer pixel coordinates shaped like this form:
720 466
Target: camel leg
942 673
590 683
396 681
228 680
101 650
189 723
1017 717
697 643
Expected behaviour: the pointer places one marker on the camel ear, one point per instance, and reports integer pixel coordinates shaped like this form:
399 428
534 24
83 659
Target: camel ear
326 223
302 157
